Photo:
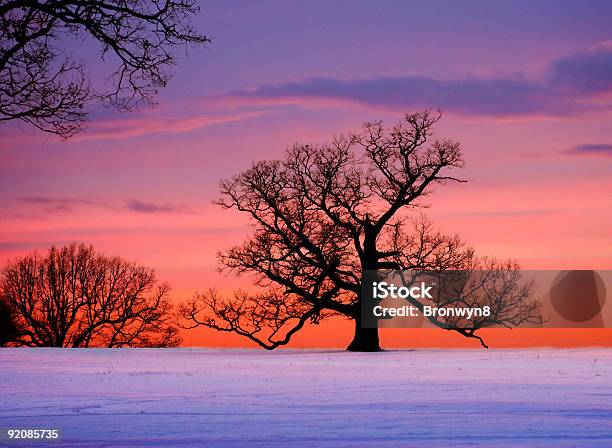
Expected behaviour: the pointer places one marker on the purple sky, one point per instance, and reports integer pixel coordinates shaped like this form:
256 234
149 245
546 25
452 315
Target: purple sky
525 86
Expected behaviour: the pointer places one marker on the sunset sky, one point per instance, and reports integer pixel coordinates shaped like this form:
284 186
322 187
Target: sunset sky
526 87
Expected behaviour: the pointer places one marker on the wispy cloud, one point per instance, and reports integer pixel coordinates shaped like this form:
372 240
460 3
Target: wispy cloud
151 207
156 121
53 205
571 84
60 205
602 149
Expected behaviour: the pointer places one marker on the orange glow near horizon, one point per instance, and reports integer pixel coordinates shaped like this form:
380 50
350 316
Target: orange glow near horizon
337 334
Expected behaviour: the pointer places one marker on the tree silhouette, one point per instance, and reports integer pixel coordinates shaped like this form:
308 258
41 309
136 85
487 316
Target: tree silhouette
323 216
9 328
41 84
76 297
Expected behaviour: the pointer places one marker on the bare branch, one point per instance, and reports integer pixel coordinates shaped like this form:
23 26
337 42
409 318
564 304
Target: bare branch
42 85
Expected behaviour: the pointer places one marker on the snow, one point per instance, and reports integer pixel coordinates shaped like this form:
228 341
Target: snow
252 398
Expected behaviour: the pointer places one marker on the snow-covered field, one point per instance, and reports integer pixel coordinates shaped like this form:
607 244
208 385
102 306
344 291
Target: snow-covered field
245 398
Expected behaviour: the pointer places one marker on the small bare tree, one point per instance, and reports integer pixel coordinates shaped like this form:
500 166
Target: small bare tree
323 216
41 84
77 297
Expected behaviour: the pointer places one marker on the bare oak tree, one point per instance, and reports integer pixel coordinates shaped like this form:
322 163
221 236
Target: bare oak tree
321 217
43 85
77 297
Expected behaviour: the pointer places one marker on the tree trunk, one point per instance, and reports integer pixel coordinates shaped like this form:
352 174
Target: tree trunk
365 339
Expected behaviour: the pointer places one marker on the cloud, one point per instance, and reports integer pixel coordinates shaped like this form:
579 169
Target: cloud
61 205
150 207
603 149
588 72
570 85
480 96
154 122
177 117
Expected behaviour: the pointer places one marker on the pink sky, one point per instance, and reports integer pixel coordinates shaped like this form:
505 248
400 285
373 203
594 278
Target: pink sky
527 89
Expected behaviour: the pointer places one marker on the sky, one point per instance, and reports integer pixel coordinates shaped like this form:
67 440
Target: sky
526 87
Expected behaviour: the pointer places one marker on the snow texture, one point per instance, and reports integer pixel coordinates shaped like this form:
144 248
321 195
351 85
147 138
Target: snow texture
252 398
